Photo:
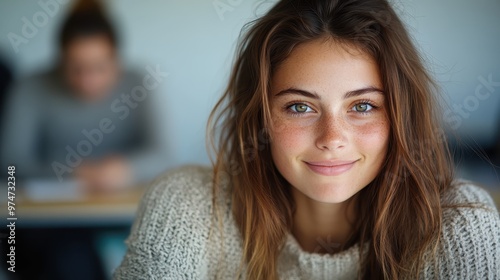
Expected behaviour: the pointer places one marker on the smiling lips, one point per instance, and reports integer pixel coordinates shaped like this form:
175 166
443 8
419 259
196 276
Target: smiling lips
330 168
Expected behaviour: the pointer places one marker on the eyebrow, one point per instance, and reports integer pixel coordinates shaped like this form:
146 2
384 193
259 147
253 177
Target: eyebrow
361 91
314 95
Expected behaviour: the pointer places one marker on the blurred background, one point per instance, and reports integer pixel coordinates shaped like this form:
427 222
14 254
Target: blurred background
98 99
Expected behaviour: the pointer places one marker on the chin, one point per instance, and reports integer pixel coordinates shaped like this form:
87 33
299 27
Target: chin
328 193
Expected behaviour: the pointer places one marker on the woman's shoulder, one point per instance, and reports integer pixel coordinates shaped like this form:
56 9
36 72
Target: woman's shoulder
187 185
188 189
463 192
469 246
469 212
172 226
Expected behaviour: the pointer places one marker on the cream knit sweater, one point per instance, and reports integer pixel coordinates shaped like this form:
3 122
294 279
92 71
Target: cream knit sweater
170 238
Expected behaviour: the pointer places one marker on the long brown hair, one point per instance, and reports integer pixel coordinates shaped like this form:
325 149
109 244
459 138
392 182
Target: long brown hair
400 214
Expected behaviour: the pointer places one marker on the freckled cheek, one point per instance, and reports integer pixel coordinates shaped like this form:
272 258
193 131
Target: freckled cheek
291 135
372 138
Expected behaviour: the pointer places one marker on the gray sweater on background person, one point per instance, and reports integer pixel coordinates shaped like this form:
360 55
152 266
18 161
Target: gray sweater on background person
170 237
48 131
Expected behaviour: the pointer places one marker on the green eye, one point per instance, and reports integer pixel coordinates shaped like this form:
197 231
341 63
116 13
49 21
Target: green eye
362 107
300 108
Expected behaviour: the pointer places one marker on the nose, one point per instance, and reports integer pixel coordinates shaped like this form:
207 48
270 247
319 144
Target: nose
331 133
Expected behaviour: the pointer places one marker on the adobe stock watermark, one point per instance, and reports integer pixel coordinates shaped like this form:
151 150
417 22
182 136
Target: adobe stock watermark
454 118
121 106
223 6
31 26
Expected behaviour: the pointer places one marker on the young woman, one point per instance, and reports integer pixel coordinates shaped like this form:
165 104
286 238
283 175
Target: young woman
330 164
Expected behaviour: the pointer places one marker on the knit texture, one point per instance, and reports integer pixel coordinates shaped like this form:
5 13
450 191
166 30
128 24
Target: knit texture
170 237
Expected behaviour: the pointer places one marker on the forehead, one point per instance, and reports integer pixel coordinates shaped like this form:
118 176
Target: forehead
95 44
325 65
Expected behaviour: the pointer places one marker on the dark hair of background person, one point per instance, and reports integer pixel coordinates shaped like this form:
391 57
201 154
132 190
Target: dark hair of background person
87 19
400 216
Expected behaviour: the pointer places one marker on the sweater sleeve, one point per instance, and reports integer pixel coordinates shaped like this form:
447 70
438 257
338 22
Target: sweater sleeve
168 237
470 240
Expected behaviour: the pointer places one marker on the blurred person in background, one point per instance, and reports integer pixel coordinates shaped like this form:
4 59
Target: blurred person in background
87 120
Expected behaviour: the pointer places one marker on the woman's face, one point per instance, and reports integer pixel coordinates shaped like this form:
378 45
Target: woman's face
331 129
91 66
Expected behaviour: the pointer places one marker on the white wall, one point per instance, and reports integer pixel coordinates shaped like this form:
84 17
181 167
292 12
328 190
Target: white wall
195 44
460 40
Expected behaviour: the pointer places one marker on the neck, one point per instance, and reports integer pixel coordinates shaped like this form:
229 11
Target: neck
322 227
